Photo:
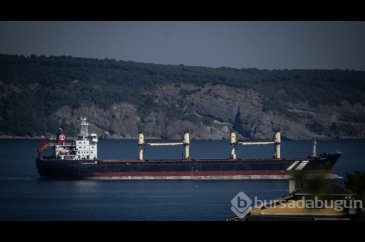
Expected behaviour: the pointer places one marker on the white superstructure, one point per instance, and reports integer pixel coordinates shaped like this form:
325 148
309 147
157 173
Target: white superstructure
85 147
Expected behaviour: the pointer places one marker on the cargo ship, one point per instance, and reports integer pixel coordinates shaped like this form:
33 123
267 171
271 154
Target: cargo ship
78 159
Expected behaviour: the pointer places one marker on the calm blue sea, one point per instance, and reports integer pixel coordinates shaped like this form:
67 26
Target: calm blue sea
23 196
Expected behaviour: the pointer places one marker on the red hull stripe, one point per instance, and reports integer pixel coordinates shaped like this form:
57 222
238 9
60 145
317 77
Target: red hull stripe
185 173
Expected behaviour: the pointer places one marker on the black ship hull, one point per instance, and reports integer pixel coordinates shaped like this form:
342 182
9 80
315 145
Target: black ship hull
206 169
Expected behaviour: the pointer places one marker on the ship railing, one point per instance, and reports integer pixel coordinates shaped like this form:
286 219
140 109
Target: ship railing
64 144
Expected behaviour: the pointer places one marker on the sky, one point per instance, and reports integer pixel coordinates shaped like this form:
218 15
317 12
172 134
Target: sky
243 44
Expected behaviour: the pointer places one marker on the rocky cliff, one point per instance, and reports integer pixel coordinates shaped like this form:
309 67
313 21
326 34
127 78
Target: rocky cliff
208 113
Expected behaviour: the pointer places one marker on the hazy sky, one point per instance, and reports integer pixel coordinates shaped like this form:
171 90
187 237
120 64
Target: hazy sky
263 45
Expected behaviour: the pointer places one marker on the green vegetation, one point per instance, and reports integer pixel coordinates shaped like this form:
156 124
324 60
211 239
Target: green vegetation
355 181
33 88
315 126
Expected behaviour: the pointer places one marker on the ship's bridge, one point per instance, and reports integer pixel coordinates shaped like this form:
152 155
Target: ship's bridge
85 147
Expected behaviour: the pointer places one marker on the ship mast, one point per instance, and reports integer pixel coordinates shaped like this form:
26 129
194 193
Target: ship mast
314 151
84 131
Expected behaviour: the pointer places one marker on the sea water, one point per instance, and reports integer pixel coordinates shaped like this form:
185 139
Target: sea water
24 196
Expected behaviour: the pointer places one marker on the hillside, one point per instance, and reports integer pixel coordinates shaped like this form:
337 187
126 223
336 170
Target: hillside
38 94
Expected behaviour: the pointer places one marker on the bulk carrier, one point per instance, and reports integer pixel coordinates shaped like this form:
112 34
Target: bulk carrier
78 159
